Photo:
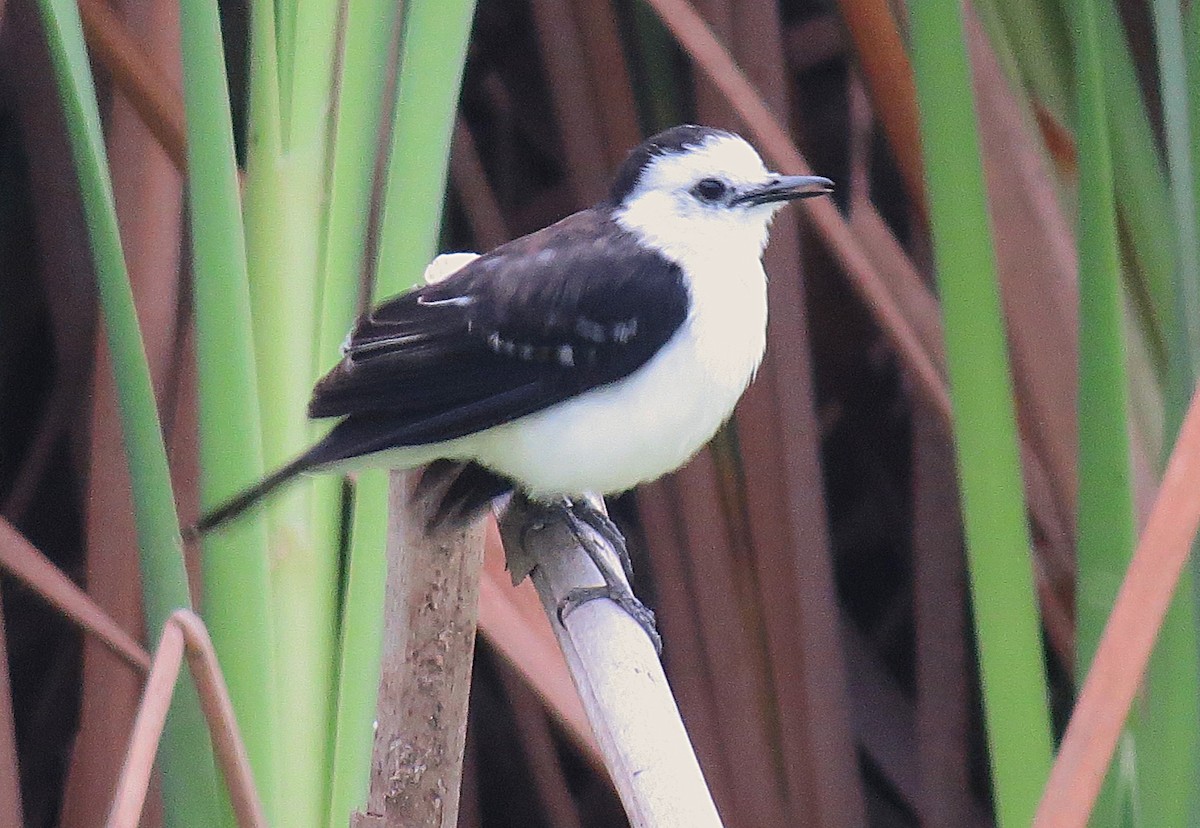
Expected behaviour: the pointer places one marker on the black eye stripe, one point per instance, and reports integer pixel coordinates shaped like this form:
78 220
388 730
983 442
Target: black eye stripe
710 189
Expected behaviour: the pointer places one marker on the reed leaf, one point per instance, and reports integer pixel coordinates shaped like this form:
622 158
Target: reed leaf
189 782
235 563
1106 532
283 208
433 50
1005 609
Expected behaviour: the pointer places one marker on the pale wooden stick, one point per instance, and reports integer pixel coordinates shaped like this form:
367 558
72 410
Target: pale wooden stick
619 678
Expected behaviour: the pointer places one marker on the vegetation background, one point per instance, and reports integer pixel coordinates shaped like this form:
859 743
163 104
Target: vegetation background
880 587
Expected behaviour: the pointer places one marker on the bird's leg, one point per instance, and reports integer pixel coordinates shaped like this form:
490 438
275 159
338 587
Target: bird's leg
615 588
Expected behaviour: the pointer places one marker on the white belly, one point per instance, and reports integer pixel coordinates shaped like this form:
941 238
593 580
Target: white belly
612 438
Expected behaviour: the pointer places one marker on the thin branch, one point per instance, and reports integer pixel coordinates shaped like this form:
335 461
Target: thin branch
619 678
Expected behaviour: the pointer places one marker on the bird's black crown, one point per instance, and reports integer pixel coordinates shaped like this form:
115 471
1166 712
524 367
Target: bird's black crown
674 140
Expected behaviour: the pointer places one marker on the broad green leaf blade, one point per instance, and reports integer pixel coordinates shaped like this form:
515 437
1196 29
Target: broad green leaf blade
1169 753
1105 524
1006 616
434 49
189 781
360 648
369 28
283 207
236 575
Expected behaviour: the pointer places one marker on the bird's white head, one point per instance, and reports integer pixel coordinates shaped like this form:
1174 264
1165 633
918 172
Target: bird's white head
692 190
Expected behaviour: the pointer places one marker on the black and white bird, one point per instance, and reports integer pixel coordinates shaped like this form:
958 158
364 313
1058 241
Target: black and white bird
593 355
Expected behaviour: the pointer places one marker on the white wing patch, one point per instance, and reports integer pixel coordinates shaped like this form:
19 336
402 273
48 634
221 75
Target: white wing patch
453 301
446 265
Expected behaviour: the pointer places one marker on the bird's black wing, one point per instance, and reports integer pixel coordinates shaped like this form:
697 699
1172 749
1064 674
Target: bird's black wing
536 321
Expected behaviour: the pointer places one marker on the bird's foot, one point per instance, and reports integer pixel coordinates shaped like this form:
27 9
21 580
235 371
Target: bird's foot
581 515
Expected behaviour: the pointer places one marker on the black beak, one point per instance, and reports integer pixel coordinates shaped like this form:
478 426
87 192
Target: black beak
786 188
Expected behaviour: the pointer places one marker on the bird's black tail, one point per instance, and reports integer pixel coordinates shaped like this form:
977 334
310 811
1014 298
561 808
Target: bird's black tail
247 498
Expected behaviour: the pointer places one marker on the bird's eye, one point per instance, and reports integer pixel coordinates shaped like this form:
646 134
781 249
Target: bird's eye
710 189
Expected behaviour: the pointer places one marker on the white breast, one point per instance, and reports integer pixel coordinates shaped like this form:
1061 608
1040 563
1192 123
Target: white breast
614 437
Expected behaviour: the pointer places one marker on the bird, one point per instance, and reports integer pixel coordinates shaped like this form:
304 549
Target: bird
591 356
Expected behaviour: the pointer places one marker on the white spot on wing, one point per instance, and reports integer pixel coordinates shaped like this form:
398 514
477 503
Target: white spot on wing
453 301
446 265
624 331
589 330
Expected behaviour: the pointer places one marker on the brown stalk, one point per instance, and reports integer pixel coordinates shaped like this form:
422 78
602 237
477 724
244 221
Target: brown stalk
60 232
183 633
908 288
781 508
884 720
795 578
889 78
1128 639
814 41
537 743
157 101
939 614
148 190
610 80
788 592
60 409
430 617
10 781
729 627
699 42
478 199
66 272
575 110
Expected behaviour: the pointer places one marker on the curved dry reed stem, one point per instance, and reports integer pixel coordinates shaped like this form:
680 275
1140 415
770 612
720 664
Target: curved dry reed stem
185 632
130 795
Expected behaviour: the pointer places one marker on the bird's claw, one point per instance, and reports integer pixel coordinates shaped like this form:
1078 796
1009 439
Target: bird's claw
623 598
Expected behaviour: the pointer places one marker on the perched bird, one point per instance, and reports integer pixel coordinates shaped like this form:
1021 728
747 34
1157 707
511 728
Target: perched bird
593 355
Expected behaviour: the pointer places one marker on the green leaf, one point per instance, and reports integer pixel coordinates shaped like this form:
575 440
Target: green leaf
189 781
1005 608
235 562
